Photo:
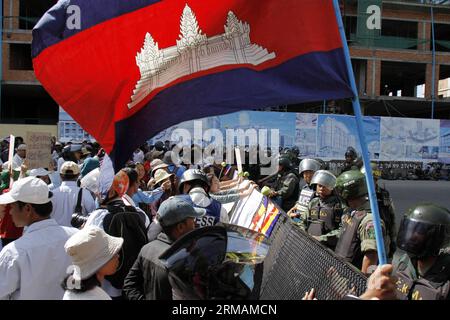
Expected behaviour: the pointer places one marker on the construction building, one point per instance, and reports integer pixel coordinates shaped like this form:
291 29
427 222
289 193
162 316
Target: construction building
400 53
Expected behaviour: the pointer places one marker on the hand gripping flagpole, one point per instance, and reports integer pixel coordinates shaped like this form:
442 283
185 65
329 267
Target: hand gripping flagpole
365 152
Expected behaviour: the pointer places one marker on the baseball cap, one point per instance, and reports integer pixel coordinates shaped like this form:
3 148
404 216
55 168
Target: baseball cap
175 209
69 168
27 190
22 147
39 172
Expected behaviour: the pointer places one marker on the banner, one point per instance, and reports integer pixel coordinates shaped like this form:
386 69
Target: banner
39 147
134 68
256 212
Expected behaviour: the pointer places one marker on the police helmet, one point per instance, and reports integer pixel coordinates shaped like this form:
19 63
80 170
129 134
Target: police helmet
324 178
295 151
215 262
194 175
351 185
351 152
308 165
424 230
284 161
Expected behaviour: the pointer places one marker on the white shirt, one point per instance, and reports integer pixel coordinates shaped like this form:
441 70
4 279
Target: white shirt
34 266
201 199
94 294
17 161
138 157
65 199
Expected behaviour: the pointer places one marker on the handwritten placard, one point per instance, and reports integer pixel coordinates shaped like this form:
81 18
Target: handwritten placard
38 149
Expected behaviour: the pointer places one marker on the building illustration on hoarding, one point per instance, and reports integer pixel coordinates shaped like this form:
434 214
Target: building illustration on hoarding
195 52
334 138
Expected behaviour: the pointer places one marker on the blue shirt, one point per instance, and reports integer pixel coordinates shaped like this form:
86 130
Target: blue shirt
148 196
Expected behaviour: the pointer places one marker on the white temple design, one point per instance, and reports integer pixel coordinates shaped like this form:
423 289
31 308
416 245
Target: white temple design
194 52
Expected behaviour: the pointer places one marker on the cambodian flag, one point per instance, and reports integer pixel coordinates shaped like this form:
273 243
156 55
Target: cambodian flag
128 69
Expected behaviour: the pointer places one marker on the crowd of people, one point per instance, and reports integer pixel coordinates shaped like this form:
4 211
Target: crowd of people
158 229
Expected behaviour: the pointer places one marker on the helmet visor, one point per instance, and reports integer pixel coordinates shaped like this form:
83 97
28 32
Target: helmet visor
418 238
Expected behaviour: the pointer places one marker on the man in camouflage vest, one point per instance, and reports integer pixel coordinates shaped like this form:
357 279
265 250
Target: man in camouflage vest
357 243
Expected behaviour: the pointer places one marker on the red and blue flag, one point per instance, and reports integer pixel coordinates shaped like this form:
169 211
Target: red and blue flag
133 68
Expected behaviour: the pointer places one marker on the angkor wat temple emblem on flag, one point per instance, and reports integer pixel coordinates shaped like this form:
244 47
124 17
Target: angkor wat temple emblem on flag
194 52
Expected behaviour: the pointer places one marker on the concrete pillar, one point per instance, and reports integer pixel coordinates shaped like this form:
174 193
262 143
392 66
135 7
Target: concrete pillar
428 80
423 36
373 78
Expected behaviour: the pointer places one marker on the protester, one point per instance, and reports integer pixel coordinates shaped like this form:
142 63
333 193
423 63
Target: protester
8 230
69 196
33 266
119 220
147 279
177 170
138 156
19 157
94 255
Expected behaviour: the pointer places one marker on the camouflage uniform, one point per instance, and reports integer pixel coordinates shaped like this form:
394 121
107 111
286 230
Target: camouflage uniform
323 219
358 235
433 285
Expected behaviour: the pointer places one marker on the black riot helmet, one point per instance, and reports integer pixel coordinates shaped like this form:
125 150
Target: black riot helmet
194 176
285 162
424 230
215 262
351 153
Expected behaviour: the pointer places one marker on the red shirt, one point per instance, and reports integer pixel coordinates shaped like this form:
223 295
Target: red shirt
7 228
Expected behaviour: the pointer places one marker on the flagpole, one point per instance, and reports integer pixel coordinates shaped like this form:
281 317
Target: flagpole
365 152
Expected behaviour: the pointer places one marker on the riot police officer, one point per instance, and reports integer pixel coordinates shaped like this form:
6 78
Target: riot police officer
385 207
352 162
286 188
423 271
323 218
357 243
306 169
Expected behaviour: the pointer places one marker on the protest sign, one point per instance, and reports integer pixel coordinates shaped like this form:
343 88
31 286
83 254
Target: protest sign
38 149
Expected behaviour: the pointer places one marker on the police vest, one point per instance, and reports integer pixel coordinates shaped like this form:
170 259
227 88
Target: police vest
349 244
435 286
324 217
212 215
306 195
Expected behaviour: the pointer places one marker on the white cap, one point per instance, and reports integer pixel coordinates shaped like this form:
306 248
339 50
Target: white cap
39 172
22 147
27 190
90 249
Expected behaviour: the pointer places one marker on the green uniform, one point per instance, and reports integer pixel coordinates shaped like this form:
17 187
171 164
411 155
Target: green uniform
358 235
323 219
434 284
287 187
